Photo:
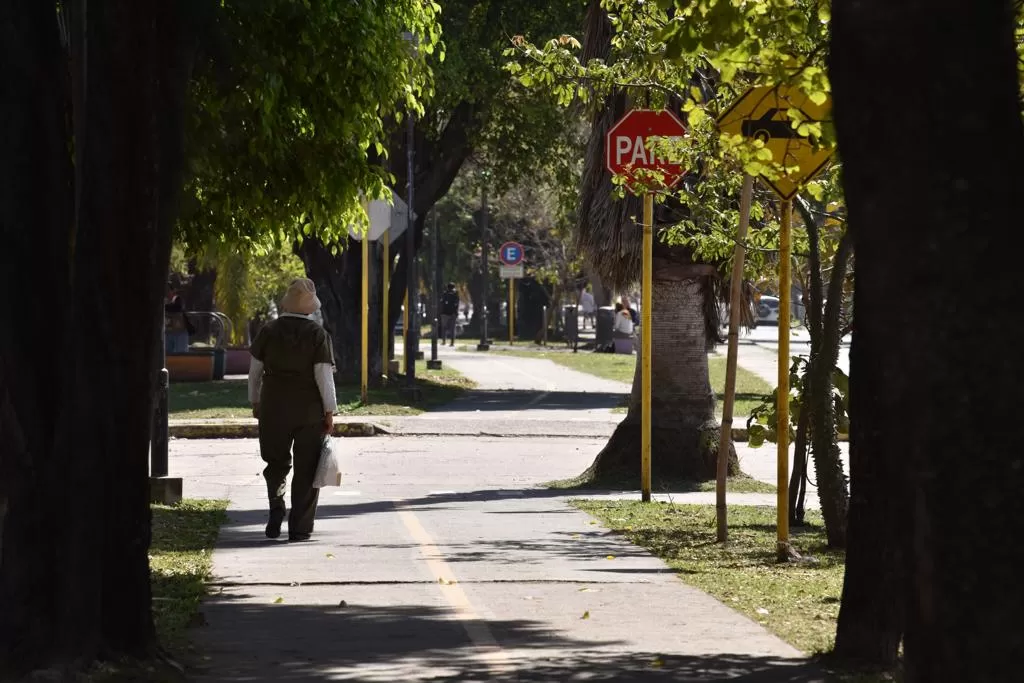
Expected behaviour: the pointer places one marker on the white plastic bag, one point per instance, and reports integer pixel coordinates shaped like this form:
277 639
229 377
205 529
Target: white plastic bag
328 473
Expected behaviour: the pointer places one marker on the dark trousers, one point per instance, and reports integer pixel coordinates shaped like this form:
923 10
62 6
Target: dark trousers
277 440
448 321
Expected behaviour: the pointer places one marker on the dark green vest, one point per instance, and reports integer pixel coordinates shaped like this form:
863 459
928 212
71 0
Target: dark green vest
289 347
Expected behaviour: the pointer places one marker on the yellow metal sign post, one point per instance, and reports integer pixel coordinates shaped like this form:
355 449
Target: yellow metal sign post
385 336
511 311
364 374
627 151
646 297
779 116
405 330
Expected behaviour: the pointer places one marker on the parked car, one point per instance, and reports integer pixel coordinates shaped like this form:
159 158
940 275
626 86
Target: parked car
768 310
723 316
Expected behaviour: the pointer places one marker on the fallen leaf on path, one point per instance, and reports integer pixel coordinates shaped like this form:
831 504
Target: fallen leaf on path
278 601
658 662
586 615
610 557
586 590
330 556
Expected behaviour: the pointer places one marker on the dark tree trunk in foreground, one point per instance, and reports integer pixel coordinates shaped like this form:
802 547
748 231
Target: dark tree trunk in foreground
74 579
933 176
684 432
36 216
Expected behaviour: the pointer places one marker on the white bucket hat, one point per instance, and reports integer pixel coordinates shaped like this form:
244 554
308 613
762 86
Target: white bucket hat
301 298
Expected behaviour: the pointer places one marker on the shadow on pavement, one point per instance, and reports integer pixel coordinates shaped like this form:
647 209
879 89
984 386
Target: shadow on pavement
513 400
303 642
422 504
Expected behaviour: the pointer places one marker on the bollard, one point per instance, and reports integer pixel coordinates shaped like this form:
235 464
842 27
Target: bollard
434 363
161 430
162 488
544 337
484 344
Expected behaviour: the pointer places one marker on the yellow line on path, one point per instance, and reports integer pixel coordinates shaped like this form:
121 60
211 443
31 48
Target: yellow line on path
496 659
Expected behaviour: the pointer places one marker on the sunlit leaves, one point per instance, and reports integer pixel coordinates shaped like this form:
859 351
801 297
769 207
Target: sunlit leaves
289 112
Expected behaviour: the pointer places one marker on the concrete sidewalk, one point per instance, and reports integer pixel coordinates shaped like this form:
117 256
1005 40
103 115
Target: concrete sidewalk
441 560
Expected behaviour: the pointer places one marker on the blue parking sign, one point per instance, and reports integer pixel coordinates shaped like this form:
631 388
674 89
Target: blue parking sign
511 253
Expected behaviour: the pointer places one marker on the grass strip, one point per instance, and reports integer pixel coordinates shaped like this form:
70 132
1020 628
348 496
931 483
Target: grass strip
798 602
229 399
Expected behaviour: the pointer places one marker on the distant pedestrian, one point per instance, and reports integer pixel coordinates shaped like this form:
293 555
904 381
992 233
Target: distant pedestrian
449 313
291 388
587 306
622 330
177 327
627 305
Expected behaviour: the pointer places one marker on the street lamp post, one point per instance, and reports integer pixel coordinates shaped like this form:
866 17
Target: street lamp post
485 343
434 363
412 341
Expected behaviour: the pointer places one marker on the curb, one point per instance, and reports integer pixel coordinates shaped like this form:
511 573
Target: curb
243 430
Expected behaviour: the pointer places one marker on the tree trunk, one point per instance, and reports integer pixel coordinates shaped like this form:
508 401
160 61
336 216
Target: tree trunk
339 282
75 568
199 293
818 403
935 456
798 478
684 434
36 217
602 295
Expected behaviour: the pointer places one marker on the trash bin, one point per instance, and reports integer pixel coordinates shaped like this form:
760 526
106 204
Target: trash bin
605 326
571 324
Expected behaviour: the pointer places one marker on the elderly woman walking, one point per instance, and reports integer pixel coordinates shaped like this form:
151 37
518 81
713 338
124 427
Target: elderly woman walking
291 388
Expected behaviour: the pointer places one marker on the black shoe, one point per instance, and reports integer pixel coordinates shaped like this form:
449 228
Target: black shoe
274 523
298 537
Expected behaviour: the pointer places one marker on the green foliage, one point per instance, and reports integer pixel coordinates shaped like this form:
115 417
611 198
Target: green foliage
249 282
698 56
536 213
291 102
519 134
762 425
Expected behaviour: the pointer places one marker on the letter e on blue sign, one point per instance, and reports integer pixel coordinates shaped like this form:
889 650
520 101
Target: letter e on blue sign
511 253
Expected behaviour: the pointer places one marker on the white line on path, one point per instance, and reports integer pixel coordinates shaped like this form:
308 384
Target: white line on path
540 380
496 659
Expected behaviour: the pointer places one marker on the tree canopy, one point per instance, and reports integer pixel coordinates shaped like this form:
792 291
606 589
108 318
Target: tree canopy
290 104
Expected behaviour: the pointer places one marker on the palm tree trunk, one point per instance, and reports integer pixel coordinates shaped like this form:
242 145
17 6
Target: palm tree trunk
684 434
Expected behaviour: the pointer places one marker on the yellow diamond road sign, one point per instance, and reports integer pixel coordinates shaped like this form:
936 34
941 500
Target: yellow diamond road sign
763 114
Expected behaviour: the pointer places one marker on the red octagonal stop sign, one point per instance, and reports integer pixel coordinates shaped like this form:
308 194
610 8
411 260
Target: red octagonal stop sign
626 144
